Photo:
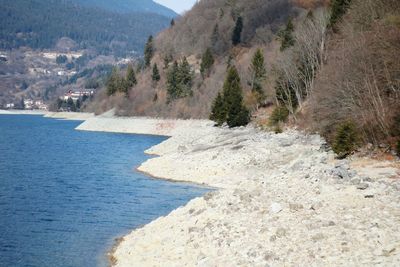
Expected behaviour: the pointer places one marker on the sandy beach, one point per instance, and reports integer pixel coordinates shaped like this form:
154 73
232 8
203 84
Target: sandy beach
281 200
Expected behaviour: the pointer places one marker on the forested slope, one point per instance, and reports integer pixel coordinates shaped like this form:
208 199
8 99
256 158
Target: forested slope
326 66
129 6
39 24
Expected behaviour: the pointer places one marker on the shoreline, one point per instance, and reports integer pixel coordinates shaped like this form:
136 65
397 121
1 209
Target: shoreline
278 199
148 174
74 116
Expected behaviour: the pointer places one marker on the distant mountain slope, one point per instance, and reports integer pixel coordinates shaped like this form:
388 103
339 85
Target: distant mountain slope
39 24
128 6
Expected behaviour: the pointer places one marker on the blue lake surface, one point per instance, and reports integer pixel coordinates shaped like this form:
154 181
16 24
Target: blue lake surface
65 195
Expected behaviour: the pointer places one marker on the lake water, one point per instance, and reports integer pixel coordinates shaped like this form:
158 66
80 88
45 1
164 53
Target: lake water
65 195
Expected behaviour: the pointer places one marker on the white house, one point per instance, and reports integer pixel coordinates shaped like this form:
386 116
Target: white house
28 103
75 95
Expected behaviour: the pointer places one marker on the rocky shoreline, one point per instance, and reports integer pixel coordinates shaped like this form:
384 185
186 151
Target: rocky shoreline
282 200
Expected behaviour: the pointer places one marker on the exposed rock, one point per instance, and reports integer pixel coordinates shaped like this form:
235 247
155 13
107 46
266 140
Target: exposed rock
275 208
362 186
245 221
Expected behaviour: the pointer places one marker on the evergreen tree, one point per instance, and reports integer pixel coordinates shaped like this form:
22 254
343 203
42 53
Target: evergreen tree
130 76
61 59
70 104
59 103
185 78
112 82
218 113
229 107
346 139
78 105
148 51
123 86
173 82
155 76
236 113
338 9
259 73
207 61
237 31
116 83
172 23
179 80
167 60
286 35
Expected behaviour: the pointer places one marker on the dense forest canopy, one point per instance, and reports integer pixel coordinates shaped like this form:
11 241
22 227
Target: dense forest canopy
39 24
129 6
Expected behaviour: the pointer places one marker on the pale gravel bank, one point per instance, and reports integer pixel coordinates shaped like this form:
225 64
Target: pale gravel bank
22 112
79 116
282 201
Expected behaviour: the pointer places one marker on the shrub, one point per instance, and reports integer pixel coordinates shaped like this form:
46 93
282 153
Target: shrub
280 114
278 129
346 139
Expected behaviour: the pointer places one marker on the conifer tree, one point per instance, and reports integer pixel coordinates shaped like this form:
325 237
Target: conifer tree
237 31
112 82
155 76
258 73
236 113
130 76
167 60
185 78
346 139
172 23
78 105
286 35
229 107
207 61
148 51
71 105
179 80
218 113
172 82
123 86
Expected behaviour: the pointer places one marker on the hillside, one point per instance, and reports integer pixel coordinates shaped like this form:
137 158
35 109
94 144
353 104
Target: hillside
129 6
40 24
325 66
190 37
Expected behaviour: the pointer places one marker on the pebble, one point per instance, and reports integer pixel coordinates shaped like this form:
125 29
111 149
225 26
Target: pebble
362 186
275 208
